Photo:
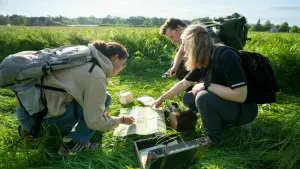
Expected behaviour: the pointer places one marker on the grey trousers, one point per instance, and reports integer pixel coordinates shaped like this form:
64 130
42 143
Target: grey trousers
217 113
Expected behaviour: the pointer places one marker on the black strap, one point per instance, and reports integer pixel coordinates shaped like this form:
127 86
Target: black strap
35 130
21 102
60 90
38 117
92 68
210 68
209 71
75 109
95 62
50 88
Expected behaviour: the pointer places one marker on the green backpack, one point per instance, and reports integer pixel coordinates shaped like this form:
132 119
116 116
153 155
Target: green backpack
232 30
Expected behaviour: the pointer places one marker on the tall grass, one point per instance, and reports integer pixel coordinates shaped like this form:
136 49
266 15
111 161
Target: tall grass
271 141
150 50
283 49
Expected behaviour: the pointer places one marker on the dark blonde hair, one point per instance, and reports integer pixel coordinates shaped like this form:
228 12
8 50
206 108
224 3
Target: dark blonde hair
110 49
171 23
198 45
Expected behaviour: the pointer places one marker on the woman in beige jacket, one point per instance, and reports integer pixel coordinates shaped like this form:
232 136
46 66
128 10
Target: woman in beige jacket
87 85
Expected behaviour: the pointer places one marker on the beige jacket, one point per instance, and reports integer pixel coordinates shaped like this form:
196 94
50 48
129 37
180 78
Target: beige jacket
88 89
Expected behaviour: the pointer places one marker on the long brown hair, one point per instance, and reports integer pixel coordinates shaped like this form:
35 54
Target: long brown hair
110 49
198 45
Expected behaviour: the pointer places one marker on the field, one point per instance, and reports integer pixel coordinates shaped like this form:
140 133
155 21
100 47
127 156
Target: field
271 141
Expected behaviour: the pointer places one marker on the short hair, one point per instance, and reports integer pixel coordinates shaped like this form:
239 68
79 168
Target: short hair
171 23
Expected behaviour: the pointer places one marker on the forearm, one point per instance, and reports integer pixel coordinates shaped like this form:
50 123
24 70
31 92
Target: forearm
235 95
179 57
95 119
178 88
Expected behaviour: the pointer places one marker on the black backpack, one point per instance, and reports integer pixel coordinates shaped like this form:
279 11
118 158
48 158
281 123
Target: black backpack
232 30
261 82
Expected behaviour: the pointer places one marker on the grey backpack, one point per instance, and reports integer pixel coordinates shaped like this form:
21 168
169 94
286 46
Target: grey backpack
23 73
26 67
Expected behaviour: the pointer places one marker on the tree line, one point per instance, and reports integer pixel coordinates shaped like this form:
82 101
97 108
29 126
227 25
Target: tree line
132 21
91 20
268 26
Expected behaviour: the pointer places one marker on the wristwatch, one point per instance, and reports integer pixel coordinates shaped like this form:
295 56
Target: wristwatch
206 84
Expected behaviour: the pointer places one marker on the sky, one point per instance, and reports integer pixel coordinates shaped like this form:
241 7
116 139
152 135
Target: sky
277 11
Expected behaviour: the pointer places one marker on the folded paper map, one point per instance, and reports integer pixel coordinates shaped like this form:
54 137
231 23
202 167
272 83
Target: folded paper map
147 121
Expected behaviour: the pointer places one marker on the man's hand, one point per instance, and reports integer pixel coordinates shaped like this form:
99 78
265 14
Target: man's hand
177 61
172 71
157 103
198 87
127 120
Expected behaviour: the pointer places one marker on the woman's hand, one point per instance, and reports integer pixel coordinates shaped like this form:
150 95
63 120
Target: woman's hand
157 103
127 120
198 87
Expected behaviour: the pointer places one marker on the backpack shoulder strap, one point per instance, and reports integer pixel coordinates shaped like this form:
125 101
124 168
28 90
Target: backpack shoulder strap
95 62
219 51
209 70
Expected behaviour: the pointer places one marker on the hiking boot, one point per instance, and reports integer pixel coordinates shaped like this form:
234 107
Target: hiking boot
70 146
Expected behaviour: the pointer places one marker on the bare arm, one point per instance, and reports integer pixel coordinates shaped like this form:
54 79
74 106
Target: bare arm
176 89
177 60
235 95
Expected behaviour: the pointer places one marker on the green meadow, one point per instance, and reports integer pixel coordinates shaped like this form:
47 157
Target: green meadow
271 141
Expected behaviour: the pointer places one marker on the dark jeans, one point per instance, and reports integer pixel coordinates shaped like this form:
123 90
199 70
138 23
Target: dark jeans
217 113
77 128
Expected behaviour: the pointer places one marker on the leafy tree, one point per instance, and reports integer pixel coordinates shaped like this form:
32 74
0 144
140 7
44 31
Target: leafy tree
16 19
27 21
147 22
284 27
267 25
252 27
294 29
155 21
258 26
3 20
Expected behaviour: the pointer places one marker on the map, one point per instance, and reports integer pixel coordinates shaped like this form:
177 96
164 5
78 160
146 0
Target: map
147 121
